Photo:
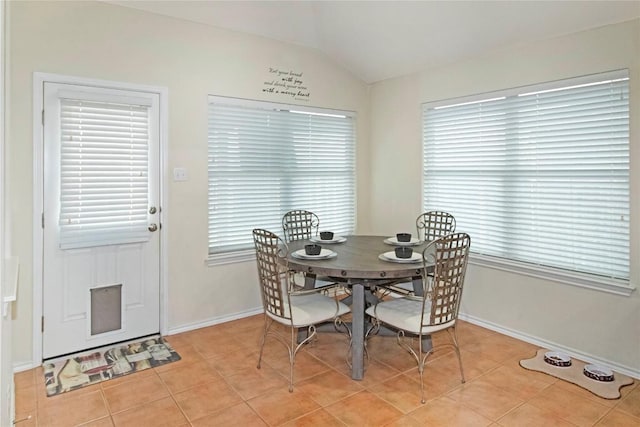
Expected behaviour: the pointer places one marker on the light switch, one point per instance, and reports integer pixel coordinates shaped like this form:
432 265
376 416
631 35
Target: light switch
180 174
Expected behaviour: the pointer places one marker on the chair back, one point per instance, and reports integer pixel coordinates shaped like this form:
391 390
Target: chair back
273 275
300 224
434 224
449 255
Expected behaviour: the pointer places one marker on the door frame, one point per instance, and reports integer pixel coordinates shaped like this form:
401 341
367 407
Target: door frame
39 79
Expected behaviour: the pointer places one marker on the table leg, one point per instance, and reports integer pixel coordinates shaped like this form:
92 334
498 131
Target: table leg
417 286
357 332
309 281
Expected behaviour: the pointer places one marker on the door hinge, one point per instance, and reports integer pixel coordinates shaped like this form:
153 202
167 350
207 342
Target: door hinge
42 117
42 219
42 324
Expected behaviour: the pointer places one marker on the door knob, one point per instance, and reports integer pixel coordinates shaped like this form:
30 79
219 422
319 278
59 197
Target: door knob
153 227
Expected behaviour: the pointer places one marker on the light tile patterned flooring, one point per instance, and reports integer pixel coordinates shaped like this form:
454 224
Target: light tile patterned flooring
217 384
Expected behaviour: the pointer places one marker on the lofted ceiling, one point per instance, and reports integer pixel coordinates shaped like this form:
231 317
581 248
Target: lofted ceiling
377 40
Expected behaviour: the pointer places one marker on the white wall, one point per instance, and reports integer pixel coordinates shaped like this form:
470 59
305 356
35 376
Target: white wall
595 324
103 41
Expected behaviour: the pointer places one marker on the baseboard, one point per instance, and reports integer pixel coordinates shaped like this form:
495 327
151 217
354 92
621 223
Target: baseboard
626 370
635 373
214 321
230 317
25 366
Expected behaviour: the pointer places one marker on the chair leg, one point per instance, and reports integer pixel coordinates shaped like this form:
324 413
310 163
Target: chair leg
422 361
292 356
420 357
338 324
293 349
454 338
267 325
421 371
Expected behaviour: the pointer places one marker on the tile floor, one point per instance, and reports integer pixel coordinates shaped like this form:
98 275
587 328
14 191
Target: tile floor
217 384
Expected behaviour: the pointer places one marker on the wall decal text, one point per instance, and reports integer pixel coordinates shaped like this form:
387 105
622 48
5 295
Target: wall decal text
287 83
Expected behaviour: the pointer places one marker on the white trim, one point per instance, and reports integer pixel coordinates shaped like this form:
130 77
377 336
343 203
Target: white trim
231 257
581 280
38 209
216 321
163 209
38 179
586 357
526 89
24 366
277 106
88 95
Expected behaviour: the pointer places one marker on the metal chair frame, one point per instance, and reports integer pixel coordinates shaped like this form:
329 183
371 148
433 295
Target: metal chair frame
429 226
300 224
440 303
276 293
434 224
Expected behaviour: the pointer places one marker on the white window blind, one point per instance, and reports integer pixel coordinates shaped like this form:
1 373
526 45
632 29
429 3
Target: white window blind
104 171
266 159
539 176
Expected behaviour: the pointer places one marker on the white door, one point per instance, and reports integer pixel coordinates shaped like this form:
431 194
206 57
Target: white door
101 248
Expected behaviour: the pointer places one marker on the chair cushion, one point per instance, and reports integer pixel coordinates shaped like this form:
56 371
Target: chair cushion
404 313
313 308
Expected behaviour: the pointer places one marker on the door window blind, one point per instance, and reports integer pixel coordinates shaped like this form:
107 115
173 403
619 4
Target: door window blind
103 171
266 159
539 176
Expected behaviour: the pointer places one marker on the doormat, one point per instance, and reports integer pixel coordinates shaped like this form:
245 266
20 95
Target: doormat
605 387
97 365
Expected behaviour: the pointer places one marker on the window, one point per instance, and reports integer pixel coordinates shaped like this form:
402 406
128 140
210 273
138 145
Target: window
104 166
537 175
266 159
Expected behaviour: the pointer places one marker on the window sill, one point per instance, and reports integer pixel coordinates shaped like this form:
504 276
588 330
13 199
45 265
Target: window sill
609 285
603 284
231 257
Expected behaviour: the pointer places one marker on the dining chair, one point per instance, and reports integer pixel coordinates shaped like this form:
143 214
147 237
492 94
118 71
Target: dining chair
296 309
434 224
300 224
429 226
437 309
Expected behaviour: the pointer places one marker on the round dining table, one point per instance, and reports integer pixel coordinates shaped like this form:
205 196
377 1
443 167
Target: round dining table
359 263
